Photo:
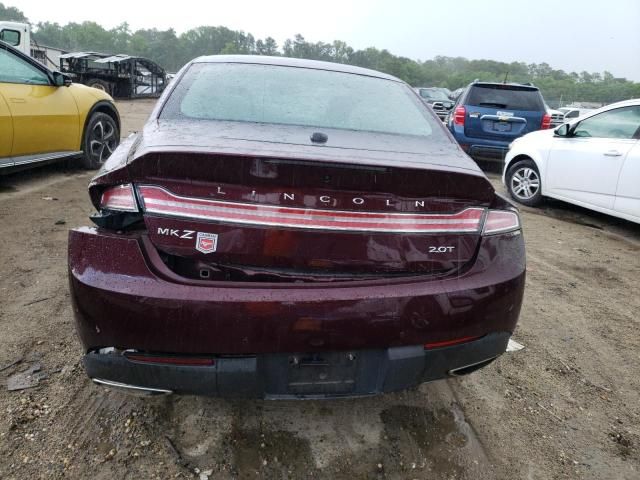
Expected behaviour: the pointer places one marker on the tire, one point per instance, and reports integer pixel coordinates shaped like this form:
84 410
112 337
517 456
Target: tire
100 85
524 184
101 137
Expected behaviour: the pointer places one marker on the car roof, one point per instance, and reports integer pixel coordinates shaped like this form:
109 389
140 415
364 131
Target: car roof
432 89
591 112
523 86
13 24
295 62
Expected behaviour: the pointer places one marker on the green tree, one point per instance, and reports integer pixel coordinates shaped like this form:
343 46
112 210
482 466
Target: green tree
267 47
172 51
12 14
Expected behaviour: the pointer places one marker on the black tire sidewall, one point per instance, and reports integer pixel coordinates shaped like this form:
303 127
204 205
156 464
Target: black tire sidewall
96 81
88 161
537 198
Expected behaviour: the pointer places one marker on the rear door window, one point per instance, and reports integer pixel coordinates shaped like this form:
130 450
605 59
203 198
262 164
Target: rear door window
506 97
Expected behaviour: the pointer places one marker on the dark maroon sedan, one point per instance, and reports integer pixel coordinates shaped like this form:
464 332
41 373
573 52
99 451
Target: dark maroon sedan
289 228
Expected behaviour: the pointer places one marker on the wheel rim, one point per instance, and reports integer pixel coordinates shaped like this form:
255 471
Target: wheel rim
99 86
525 183
102 141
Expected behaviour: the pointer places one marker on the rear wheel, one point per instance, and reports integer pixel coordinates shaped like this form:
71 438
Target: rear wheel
524 184
100 85
101 137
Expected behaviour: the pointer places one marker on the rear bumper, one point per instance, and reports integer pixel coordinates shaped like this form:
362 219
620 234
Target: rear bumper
442 114
482 148
125 297
487 153
274 376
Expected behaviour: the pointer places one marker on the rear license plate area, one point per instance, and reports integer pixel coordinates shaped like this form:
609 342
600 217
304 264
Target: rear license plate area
322 374
502 126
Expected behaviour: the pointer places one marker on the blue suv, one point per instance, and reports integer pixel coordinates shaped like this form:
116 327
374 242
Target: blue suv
487 117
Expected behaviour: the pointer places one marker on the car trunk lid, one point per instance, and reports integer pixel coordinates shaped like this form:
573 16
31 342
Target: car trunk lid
254 218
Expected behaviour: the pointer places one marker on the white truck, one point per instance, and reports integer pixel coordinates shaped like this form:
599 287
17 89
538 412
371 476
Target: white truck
18 35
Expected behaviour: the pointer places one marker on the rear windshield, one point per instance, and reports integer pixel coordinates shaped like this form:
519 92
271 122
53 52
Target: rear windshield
298 96
505 96
433 94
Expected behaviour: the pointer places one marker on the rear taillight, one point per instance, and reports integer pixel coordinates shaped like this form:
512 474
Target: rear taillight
546 122
458 115
120 198
500 221
117 208
158 200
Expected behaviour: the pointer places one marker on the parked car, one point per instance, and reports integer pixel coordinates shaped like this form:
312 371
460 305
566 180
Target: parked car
456 93
271 234
437 99
571 113
44 117
593 162
557 117
487 117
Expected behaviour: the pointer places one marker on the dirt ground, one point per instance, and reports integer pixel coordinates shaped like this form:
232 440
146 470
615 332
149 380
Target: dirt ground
567 406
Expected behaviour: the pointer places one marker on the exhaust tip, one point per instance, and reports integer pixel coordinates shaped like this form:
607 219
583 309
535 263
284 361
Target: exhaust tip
135 389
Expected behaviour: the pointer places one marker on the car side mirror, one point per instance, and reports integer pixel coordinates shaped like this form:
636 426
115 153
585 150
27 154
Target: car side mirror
61 80
563 130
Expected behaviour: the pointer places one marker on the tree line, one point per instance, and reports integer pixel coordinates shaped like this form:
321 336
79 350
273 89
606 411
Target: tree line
172 51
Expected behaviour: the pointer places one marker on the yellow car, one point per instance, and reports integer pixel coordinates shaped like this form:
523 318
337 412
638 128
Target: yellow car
45 117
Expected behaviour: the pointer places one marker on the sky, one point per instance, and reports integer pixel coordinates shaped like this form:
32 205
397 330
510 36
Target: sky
571 35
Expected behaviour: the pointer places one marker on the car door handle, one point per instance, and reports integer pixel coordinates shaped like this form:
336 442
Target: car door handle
613 153
17 100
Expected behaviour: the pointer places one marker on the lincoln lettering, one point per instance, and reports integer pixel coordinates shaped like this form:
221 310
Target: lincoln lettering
326 199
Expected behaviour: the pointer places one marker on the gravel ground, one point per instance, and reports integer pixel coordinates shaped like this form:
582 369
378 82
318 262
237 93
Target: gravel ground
567 406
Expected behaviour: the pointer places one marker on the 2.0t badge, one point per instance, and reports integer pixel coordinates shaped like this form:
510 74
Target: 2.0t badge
206 242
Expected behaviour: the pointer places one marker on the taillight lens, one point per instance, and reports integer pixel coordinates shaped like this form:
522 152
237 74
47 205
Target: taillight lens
120 198
546 122
500 221
458 115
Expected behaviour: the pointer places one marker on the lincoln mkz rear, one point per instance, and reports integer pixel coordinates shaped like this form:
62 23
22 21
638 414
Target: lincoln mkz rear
292 229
